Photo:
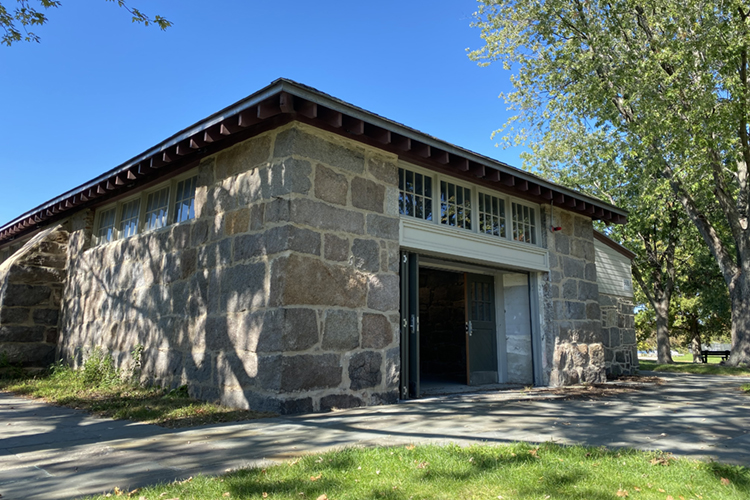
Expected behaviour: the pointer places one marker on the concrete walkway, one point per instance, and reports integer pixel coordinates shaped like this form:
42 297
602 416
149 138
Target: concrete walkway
52 453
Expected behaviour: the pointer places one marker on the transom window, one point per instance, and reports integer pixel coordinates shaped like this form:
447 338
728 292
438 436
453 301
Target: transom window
156 209
491 215
171 202
455 205
465 207
107 226
524 224
415 194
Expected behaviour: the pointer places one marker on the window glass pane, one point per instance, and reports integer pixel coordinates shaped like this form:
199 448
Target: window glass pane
156 209
106 231
184 208
129 219
455 209
415 194
524 223
492 215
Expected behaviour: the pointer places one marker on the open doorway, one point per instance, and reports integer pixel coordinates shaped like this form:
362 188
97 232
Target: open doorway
449 335
442 316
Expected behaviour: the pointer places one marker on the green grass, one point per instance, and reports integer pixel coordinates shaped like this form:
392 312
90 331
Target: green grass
696 368
518 471
745 387
104 391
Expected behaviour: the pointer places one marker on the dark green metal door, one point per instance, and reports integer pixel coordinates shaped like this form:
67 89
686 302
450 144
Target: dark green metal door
409 325
480 330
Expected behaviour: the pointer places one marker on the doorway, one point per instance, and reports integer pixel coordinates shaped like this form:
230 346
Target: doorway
448 334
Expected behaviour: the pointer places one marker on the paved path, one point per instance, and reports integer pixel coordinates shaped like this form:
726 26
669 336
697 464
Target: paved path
52 453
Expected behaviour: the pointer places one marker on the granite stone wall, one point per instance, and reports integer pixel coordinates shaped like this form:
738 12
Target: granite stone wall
618 329
31 285
573 339
282 294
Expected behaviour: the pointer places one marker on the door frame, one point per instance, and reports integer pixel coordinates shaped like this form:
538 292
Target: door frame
411 265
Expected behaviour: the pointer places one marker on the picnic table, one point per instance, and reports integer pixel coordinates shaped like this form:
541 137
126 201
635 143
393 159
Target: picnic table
705 354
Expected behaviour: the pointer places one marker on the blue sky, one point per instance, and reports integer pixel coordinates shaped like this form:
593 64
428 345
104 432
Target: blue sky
98 89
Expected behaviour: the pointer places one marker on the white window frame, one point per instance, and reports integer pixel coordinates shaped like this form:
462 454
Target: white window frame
143 196
475 190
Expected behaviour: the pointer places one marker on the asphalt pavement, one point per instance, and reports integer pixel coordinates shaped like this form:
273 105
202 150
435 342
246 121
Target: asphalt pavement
49 452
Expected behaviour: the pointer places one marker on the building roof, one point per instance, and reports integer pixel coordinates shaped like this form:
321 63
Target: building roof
281 102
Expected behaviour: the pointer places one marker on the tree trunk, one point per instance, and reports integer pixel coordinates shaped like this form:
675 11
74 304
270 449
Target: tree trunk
663 347
739 293
696 342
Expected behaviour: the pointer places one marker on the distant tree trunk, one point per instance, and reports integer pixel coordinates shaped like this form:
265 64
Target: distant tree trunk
696 341
663 346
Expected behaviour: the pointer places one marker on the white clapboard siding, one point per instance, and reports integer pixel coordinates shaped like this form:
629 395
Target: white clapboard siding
613 272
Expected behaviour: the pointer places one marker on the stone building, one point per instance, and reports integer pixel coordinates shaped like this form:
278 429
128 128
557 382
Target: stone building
295 253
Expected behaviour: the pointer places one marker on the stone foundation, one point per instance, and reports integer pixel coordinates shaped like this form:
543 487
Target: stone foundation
618 329
31 286
282 294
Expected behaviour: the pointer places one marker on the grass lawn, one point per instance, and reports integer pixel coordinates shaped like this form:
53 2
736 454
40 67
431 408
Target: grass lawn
690 367
517 471
104 391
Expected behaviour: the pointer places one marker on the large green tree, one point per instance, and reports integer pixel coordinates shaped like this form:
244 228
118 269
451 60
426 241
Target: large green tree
18 21
669 79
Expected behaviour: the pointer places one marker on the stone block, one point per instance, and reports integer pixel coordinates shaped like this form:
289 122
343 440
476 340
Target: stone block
243 287
583 228
29 354
383 292
299 329
339 401
562 244
330 186
323 216
243 157
385 398
13 315
593 311
280 239
198 369
377 331
248 370
570 289
22 334
341 332
237 221
35 275
295 406
366 255
277 210
336 248
368 195
46 317
294 141
301 280
217 254
365 370
19 295
572 268
290 175
382 226
384 169
249 246
199 232
588 291
628 336
57 261
309 371
257 216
